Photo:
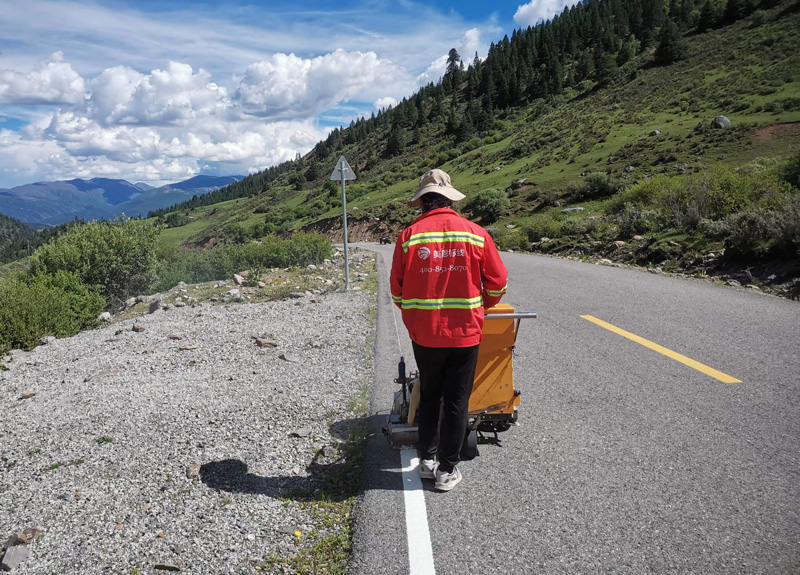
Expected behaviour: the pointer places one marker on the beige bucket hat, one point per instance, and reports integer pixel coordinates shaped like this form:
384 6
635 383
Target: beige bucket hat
437 181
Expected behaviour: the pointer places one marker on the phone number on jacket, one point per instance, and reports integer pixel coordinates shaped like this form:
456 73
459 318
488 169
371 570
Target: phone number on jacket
442 269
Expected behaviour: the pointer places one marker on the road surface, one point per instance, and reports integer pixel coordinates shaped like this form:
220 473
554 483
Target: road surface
625 459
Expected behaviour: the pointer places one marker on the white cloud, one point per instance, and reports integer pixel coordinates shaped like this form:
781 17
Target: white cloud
286 86
55 82
385 103
21 159
72 145
175 96
470 45
168 124
540 10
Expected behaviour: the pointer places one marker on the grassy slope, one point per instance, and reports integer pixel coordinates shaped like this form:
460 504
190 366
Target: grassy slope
737 71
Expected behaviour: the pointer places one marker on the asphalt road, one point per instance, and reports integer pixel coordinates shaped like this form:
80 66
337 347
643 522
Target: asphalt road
624 460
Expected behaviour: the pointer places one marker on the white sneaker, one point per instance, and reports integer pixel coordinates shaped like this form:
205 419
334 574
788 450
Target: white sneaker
446 481
427 469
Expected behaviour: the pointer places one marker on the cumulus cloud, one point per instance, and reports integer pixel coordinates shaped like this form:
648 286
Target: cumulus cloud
55 82
385 103
170 123
174 96
540 10
470 44
69 144
286 86
22 159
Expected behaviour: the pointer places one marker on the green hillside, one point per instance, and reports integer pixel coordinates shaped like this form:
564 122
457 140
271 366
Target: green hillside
17 239
567 114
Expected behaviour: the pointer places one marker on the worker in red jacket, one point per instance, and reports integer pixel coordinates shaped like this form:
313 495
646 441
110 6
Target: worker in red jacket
445 272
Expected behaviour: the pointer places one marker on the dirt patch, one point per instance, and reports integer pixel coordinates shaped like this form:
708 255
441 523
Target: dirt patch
358 230
776 130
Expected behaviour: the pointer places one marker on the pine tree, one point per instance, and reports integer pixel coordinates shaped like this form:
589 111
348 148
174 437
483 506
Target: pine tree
453 70
734 10
396 143
708 17
671 46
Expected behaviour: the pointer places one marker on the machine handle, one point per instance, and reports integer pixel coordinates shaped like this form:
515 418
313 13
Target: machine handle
517 315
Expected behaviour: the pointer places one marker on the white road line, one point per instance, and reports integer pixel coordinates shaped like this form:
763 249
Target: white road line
420 552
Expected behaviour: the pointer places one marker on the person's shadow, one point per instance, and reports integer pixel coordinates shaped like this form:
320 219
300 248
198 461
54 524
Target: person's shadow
334 479
232 475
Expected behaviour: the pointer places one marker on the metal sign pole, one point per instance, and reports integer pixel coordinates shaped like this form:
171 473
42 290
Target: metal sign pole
344 220
344 172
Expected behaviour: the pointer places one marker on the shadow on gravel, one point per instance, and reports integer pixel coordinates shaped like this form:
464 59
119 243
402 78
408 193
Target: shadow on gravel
365 461
231 475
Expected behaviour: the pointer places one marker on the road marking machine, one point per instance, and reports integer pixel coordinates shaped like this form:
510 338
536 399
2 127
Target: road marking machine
494 400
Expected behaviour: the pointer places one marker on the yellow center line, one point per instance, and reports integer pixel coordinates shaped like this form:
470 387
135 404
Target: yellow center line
724 378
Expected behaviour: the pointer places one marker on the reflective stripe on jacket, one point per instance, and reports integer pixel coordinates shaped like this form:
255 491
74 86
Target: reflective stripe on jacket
445 270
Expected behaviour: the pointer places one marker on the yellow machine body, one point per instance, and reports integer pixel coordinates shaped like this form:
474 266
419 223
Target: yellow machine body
493 390
493 402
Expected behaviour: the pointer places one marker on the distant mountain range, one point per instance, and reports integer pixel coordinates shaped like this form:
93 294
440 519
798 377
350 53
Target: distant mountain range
53 203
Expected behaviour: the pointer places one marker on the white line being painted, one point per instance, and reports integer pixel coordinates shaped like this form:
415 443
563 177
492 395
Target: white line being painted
420 552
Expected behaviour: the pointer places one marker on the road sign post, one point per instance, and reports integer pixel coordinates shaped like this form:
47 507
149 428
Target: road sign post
344 172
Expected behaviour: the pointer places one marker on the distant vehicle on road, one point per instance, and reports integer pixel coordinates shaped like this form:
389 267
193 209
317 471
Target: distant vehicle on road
385 240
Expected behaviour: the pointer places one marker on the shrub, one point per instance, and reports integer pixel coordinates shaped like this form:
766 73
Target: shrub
759 17
573 226
235 231
633 220
58 304
596 185
714 229
712 194
199 265
510 239
119 256
542 225
489 205
760 232
791 171
259 230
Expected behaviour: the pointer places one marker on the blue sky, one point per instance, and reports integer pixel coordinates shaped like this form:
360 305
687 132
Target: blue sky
160 91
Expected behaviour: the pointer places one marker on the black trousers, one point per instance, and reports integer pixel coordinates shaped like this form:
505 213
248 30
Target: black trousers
446 375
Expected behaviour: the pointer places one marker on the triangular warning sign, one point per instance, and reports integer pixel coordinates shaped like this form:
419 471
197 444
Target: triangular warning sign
343 171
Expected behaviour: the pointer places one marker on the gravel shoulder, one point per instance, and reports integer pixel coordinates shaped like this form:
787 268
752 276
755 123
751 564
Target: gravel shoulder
134 455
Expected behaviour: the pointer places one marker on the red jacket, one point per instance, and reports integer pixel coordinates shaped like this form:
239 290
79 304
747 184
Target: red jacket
445 271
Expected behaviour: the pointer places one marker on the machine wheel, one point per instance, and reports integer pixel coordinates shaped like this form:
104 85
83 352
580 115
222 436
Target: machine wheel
469 450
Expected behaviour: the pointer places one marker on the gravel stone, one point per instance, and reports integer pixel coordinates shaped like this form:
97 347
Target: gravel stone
228 407
14 556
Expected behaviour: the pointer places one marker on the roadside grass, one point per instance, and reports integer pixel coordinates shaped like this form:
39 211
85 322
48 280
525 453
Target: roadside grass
326 549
